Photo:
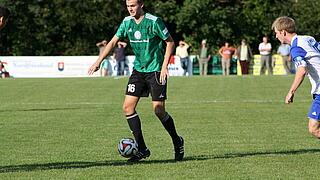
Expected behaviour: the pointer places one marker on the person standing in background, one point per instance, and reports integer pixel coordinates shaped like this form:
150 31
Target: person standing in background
3 72
265 52
101 45
182 52
284 51
226 53
105 63
244 55
4 16
203 58
120 57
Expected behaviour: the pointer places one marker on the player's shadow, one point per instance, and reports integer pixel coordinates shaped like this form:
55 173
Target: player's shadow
73 165
58 165
46 109
84 165
249 154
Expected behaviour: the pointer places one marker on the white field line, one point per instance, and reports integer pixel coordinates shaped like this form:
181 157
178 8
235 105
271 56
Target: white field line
167 102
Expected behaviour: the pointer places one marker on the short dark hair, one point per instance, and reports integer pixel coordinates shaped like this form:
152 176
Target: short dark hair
4 12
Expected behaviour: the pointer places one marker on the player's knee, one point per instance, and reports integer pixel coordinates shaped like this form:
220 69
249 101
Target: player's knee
159 112
314 128
127 109
314 131
311 131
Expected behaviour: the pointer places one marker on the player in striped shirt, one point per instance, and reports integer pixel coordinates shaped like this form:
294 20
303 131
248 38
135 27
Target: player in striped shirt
305 53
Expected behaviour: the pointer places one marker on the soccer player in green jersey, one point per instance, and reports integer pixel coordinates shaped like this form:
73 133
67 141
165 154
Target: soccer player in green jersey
4 15
147 35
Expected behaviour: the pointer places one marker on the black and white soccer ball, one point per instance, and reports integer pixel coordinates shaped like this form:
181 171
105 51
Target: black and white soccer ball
127 147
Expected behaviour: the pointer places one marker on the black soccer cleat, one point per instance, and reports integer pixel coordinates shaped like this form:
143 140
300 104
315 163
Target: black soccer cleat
179 150
140 155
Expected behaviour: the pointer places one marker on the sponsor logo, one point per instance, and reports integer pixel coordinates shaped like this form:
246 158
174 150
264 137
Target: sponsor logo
137 35
165 31
314 113
299 58
60 66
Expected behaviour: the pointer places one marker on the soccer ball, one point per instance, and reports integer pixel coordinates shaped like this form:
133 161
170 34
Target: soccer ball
127 147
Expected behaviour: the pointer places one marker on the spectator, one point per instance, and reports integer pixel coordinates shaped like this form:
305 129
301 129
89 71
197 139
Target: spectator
226 53
203 58
105 63
182 52
4 15
266 59
101 45
244 55
284 51
120 57
3 72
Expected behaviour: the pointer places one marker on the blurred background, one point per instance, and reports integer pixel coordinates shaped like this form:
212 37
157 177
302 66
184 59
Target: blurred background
73 27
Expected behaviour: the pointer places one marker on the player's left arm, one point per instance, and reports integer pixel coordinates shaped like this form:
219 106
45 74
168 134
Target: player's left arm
169 49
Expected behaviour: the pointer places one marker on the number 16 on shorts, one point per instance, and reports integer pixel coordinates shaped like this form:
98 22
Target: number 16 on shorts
131 88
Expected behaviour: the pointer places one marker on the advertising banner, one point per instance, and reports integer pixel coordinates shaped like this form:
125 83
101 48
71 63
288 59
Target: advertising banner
69 66
255 66
48 66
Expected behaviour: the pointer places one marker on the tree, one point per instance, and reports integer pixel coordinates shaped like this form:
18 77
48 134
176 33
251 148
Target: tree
60 27
204 19
306 14
257 16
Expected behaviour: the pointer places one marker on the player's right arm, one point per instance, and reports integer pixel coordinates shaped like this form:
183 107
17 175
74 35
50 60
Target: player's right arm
298 79
95 66
298 55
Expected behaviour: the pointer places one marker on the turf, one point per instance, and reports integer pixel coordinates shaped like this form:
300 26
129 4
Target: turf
234 128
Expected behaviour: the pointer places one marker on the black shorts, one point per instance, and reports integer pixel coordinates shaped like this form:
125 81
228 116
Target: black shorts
141 84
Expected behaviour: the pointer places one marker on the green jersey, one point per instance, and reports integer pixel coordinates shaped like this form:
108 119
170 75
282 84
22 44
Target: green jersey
146 40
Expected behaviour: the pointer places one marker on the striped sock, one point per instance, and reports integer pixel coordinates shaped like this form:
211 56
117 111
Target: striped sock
135 127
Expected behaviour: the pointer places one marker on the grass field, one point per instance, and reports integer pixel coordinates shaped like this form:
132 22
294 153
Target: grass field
234 128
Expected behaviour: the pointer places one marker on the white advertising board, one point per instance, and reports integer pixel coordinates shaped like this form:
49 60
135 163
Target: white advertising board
67 66
48 66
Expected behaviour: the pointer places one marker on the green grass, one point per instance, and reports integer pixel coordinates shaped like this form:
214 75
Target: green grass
234 128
